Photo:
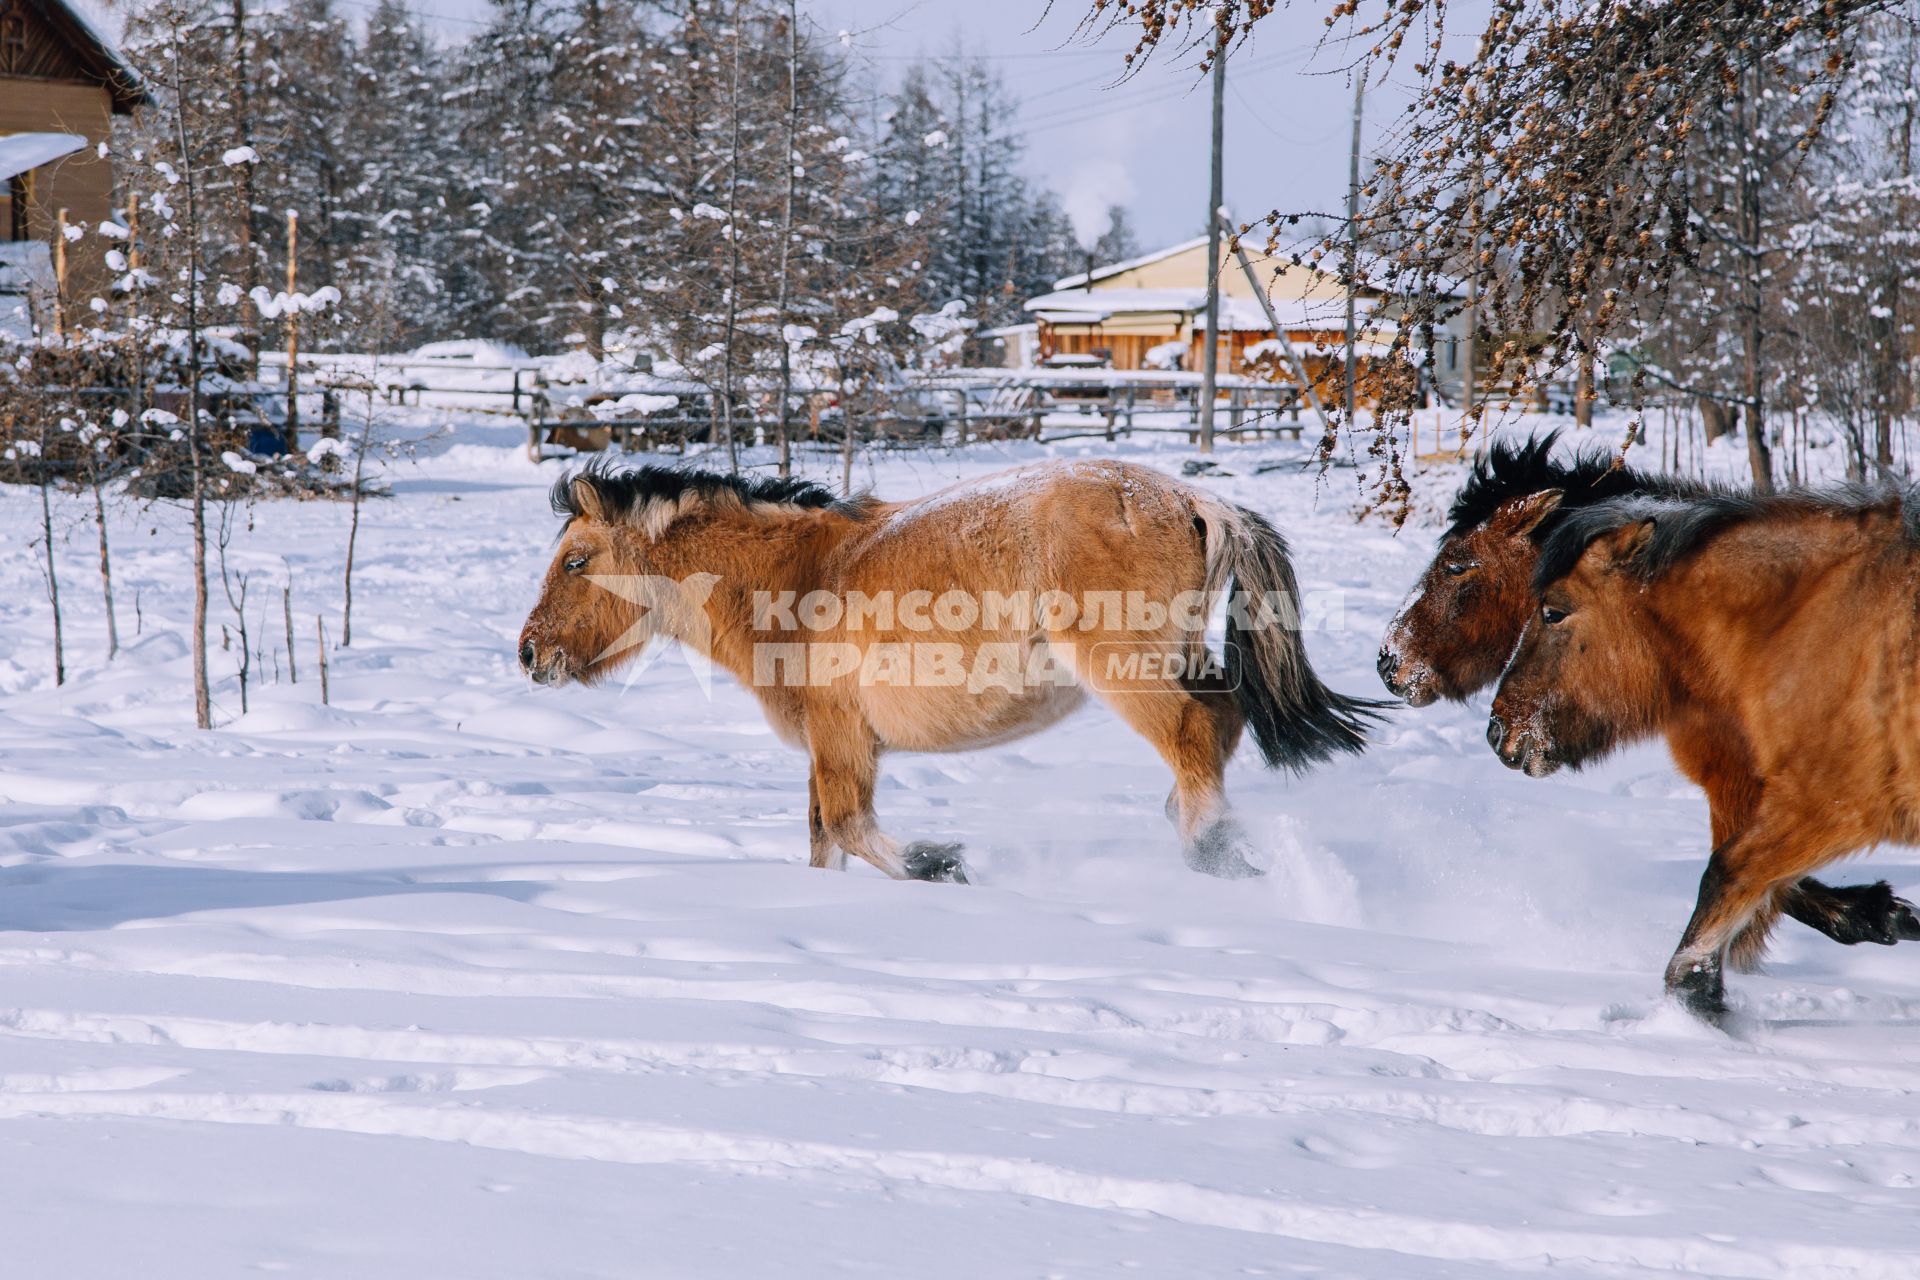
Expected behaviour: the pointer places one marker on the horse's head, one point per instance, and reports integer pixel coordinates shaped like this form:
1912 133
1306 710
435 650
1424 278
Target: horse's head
1454 633
634 561
582 626
1586 675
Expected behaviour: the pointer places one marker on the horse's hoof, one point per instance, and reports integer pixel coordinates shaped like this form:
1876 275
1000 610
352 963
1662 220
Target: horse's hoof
1906 925
1706 1006
1893 919
1696 985
1221 851
1871 913
1225 866
925 860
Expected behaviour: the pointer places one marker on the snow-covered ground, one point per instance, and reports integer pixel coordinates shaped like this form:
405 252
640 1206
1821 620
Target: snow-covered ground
460 978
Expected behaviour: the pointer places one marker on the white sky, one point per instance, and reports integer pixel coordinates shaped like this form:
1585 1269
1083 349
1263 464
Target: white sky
1142 141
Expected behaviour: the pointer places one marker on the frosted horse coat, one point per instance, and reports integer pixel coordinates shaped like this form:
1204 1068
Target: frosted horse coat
1088 531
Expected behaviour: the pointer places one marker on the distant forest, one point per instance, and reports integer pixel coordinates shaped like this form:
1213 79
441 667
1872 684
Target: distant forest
575 168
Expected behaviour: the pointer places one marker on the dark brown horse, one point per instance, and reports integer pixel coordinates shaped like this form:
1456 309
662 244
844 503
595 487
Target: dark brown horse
970 617
1460 625
1786 622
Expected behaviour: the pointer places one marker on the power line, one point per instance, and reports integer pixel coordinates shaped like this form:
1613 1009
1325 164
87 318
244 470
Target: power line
991 57
1082 112
425 14
1260 119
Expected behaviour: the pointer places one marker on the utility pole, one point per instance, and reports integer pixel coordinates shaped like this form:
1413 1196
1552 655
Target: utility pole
1210 359
1353 241
249 260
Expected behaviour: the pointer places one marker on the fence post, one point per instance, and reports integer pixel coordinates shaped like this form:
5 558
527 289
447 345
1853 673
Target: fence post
320 637
293 332
60 277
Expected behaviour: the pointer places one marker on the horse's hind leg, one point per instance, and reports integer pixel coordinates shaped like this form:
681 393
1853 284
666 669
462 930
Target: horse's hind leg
1849 914
1852 913
1194 732
846 764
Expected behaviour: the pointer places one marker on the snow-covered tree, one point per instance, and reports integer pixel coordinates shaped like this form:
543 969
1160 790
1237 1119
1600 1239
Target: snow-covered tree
953 153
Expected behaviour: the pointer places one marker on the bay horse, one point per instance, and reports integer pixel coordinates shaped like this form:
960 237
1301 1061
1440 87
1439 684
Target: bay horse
973 616
1790 620
1460 624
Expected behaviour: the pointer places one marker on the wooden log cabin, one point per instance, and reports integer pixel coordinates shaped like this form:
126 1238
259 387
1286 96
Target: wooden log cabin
61 83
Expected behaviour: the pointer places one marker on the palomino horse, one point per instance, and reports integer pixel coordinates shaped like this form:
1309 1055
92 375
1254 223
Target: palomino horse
1460 625
1788 620
973 616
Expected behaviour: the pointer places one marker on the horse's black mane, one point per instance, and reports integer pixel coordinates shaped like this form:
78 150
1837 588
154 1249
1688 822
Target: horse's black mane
1512 469
624 491
1684 524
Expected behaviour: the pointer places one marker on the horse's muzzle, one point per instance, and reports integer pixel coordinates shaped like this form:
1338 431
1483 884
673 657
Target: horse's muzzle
1520 751
552 671
1404 680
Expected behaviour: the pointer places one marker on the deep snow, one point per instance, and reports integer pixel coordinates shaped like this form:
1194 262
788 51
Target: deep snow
463 978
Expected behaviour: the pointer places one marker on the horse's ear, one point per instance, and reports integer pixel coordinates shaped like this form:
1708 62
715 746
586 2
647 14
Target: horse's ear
1624 545
1531 510
586 500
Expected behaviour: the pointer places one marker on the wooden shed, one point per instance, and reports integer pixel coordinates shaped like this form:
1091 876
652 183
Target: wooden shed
61 83
1150 312
1151 309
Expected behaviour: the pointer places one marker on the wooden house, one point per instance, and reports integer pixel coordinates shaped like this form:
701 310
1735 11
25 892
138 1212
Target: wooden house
1150 312
61 83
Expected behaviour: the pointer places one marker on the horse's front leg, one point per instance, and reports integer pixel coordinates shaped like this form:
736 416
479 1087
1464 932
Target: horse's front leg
840 785
1741 882
1849 914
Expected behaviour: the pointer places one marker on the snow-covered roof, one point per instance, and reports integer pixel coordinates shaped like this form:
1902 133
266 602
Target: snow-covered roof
476 351
20 152
1097 306
88 26
1373 274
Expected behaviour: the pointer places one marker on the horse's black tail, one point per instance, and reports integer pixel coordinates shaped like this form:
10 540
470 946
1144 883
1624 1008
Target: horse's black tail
1295 719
